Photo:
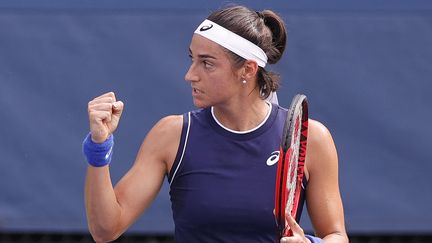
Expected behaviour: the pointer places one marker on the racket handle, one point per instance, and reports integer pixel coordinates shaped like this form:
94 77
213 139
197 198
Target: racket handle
289 233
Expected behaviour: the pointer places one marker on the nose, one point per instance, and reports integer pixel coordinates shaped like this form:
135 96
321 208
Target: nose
191 75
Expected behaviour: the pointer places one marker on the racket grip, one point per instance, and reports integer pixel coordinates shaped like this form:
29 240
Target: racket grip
287 232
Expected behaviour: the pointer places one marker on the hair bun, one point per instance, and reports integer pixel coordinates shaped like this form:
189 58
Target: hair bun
279 35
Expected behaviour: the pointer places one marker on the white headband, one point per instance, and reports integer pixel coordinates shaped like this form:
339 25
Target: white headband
232 42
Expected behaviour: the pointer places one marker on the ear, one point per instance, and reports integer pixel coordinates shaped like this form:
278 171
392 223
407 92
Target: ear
250 70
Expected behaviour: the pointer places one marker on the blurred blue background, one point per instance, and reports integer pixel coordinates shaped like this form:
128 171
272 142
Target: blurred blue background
366 67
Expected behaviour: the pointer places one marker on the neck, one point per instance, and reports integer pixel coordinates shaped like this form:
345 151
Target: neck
242 116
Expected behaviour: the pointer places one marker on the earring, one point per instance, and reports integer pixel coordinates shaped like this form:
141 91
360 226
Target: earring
244 81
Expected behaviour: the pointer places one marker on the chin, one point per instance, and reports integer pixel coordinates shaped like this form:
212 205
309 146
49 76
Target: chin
200 105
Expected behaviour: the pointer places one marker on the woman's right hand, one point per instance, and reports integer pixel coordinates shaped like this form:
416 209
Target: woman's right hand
104 115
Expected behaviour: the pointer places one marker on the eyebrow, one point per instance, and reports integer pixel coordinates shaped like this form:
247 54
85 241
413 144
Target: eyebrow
202 56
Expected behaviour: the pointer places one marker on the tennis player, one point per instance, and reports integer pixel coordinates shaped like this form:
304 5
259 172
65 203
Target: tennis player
220 160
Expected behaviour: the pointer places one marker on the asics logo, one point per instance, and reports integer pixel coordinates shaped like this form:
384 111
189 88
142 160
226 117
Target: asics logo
273 159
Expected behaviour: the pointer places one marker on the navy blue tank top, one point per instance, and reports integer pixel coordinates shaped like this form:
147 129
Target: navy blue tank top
222 182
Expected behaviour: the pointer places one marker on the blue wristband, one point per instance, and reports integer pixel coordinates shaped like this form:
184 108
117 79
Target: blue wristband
314 239
98 154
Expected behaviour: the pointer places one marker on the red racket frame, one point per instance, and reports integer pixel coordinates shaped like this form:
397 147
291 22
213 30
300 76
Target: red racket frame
298 107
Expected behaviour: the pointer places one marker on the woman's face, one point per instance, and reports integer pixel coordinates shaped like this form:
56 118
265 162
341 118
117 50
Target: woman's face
212 77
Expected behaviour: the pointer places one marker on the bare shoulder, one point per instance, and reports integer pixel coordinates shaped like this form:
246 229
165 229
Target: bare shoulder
321 150
165 132
163 140
168 124
319 136
318 131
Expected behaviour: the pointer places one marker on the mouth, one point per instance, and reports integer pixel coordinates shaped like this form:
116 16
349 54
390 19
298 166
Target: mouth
197 91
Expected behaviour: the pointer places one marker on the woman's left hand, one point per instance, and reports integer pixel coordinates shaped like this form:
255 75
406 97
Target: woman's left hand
298 233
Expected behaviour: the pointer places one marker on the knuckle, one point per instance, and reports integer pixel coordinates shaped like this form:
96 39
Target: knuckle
91 108
112 94
92 114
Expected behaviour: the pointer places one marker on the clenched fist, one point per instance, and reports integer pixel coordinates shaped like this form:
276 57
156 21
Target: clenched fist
104 115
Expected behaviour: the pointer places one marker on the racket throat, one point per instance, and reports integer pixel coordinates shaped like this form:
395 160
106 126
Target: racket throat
281 192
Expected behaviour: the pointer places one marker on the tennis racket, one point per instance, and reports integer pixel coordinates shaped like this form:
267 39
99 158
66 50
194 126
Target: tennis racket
290 169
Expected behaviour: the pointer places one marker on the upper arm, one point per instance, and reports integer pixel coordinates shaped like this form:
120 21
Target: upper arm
140 185
323 197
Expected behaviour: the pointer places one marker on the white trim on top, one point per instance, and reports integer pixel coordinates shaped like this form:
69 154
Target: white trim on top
184 148
247 131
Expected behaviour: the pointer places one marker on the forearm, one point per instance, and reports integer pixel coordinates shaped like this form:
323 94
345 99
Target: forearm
102 208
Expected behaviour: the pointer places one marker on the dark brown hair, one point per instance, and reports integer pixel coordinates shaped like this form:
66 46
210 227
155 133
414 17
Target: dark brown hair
265 29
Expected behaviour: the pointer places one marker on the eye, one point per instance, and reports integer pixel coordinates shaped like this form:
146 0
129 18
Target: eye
207 64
